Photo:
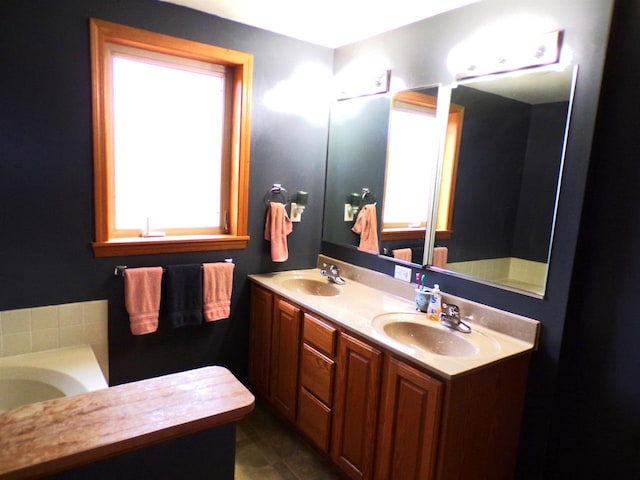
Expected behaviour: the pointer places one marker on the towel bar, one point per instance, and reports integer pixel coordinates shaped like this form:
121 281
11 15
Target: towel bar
119 269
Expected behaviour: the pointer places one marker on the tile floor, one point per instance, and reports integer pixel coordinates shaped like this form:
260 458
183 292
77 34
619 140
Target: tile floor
268 449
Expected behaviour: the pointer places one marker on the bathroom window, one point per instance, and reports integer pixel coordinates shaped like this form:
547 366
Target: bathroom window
171 143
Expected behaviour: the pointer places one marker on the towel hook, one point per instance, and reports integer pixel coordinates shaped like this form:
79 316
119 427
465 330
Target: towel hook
277 193
368 197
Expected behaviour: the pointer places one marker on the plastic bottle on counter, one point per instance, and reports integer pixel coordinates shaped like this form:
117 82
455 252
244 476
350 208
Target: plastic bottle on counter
435 304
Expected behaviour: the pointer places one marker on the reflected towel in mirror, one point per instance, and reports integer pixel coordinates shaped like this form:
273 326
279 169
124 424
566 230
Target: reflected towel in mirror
440 257
367 227
404 254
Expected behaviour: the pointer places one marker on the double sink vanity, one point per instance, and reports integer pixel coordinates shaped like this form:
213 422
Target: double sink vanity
381 390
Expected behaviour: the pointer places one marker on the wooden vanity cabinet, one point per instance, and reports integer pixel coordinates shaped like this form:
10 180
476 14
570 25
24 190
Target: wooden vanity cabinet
377 416
480 425
285 344
260 324
317 377
357 396
274 341
409 423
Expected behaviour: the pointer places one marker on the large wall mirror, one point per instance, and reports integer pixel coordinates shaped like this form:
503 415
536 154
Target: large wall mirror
505 140
374 158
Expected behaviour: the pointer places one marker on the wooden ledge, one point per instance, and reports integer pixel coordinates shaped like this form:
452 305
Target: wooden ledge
56 435
170 244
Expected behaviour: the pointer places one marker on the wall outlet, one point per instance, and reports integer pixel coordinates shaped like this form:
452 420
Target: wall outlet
402 273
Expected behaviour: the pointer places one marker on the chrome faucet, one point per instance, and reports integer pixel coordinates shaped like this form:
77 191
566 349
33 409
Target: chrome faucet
450 317
332 273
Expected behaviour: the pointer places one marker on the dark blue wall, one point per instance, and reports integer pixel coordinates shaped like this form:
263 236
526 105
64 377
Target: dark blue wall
490 166
596 428
46 171
536 204
417 55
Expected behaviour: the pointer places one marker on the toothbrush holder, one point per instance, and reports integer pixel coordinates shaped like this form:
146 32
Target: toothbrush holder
422 299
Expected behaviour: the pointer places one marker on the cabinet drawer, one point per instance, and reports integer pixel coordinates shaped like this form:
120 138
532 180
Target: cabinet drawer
314 419
320 334
316 373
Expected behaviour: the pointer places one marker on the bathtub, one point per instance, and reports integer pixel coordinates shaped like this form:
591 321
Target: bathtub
39 376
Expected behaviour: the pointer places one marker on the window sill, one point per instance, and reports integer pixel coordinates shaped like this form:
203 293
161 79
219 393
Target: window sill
174 244
402 234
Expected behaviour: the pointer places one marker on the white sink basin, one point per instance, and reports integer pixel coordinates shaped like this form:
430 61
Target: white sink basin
310 286
414 330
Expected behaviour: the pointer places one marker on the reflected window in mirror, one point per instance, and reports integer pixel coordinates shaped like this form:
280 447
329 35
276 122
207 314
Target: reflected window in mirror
412 158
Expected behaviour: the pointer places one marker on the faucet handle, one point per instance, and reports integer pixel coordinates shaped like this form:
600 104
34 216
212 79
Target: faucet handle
450 310
450 317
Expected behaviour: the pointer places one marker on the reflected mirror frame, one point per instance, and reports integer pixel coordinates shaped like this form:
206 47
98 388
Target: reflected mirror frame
442 119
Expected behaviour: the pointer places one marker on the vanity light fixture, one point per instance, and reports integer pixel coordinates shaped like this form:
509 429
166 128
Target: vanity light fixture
483 56
358 84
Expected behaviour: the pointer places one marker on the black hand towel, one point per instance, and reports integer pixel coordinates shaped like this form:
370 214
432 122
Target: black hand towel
184 295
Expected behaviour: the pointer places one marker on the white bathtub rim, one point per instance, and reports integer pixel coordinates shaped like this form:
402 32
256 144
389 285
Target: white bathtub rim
70 369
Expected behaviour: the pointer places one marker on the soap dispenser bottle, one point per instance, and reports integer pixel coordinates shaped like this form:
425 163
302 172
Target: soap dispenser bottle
435 304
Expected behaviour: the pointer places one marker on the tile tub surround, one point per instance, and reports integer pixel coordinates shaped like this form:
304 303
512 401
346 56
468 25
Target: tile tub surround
368 294
514 272
36 329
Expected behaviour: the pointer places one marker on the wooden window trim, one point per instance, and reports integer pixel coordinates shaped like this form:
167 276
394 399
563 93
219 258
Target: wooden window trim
389 234
412 234
444 219
242 66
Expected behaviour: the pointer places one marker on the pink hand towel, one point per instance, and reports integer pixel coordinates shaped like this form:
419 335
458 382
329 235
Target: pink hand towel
367 226
440 257
276 229
217 284
404 254
142 287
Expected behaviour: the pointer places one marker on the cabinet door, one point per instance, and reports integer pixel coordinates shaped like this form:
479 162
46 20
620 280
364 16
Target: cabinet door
355 407
285 345
260 325
409 420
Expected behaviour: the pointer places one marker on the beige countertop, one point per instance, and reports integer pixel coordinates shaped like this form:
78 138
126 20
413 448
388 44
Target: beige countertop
357 304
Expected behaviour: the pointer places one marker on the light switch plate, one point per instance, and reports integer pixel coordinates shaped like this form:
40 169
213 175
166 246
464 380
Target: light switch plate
402 273
295 215
348 216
